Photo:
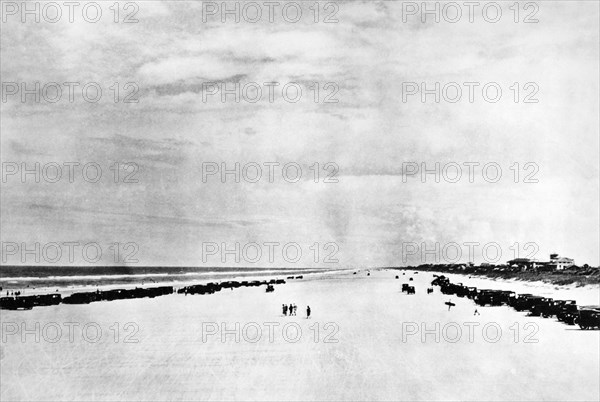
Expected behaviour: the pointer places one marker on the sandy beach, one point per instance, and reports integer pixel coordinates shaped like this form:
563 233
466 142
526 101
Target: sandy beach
365 340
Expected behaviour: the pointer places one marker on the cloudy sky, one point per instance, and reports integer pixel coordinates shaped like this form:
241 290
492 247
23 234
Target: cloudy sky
373 209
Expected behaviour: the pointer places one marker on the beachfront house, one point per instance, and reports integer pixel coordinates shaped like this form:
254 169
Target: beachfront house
559 263
523 263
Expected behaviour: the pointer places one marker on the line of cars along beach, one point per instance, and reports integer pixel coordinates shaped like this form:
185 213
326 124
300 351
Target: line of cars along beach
566 311
29 302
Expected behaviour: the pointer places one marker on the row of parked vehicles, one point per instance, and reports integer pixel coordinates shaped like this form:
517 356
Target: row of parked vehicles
210 287
567 311
29 302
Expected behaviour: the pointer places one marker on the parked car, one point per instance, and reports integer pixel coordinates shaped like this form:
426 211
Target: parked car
461 290
82 298
439 280
488 296
568 314
518 298
554 308
506 296
16 303
589 317
471 292
540 306
526 303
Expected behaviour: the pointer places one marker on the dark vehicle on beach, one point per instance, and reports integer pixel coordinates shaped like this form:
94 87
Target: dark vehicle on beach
489 296
517 299
270 288
555 307
447 288
114 294
28 302
7 302
540 306
506 296
461 290
568 314
16 303
525 302
589 317
439 281
81 298
410 290
471 292
405 287
47 300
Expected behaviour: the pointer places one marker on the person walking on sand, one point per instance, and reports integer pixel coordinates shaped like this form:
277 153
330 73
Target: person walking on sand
291 309
285 308
307 312
295 308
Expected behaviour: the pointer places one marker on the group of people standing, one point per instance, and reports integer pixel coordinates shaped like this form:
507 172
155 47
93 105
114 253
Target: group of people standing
291 310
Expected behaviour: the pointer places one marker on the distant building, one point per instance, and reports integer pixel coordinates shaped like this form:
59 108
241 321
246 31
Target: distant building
559 263
556 263
523 263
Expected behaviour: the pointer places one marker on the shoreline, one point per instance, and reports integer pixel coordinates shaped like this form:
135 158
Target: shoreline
110 282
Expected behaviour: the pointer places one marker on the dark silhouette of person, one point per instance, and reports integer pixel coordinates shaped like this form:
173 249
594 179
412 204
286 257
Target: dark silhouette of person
291 309
285 309
476 312
307 311
295 308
